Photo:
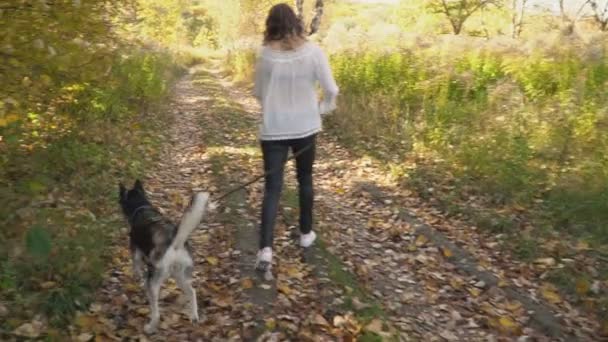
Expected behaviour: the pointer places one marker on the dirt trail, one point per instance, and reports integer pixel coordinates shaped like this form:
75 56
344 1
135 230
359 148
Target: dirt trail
372 274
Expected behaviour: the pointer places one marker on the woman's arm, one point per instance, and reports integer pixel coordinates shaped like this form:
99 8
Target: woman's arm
259 79
327 82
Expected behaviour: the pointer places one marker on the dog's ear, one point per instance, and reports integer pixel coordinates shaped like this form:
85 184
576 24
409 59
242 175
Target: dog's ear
138 185
122 191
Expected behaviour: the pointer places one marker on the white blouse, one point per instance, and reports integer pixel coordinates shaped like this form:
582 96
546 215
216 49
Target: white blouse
285 85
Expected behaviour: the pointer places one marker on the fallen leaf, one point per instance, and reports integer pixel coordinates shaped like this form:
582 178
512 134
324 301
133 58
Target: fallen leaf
550 294
86 322
446 252
48 285
582 286
474 291
448 335
212 260
270 324
294 272
144 311
131 287
421 240
247 283
283 288
480 284
339 321
84 337
545 261
320 320
508 326
374 326
513 306
30 330
456 283
582 246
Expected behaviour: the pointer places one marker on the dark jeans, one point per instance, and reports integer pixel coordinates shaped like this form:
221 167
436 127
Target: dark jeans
275 154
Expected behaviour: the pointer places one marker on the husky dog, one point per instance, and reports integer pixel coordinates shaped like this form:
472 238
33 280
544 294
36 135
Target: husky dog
161 246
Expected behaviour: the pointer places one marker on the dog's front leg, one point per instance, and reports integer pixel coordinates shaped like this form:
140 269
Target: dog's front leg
153 284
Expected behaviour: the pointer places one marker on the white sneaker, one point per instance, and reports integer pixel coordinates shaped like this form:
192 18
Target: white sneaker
306 240
264 259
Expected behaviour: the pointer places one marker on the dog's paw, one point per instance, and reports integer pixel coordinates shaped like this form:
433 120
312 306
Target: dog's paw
150 328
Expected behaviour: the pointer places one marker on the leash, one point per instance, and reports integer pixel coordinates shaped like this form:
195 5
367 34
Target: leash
269 172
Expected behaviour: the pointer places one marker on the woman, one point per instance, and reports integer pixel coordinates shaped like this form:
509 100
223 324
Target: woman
287 72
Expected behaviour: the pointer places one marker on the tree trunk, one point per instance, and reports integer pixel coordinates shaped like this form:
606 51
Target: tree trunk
600 15
518 17
457 27
300 9
316 20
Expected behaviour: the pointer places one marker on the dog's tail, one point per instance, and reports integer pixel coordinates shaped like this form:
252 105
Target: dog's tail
191 218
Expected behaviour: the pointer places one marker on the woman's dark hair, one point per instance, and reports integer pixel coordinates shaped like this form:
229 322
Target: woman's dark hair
282 24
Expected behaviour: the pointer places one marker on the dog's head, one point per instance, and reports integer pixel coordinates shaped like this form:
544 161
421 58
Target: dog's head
132 199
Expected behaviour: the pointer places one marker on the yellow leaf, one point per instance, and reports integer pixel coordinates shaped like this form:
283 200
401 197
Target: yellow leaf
475 292
293 272
271 324
46 80
456 283
247 283
48 285
582 286
8 119
545 261
283 288
488 308
507 325
212 260
513 306
131 287
143 311
550 294
86 322
582 246
446 252
421 240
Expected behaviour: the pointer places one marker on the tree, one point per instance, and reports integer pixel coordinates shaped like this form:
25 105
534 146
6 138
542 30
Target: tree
569 17
519 11
318 14
316 20
300 9
459 11
600 13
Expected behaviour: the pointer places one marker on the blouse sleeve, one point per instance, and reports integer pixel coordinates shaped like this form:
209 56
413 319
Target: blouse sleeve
259 78
327 82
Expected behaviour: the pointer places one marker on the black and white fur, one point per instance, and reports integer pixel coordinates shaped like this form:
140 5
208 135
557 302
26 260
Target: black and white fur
161 246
